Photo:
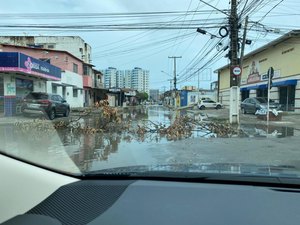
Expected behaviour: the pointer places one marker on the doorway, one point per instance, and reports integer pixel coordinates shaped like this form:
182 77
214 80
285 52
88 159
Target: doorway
287 97
262 93
245 94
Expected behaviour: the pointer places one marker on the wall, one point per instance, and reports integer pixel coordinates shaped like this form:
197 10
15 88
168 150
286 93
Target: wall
72 44
282 57
39 85
76 83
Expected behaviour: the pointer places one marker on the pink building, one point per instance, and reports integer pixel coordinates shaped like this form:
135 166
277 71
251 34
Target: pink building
76 78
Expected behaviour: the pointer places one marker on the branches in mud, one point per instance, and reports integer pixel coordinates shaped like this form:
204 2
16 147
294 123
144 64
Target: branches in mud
105 119
184 126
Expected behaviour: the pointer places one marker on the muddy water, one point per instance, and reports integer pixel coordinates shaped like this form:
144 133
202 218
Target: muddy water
256 143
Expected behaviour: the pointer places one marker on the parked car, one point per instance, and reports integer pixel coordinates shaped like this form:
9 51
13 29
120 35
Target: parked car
251 105
208 103
43 103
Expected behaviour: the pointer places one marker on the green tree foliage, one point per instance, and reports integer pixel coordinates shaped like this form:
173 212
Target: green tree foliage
142 96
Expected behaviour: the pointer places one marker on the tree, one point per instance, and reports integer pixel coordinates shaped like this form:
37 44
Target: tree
142 96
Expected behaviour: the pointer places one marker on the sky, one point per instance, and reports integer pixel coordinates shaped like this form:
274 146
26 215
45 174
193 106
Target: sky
150 48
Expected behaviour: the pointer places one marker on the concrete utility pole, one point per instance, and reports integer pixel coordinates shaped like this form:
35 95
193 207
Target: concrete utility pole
234 41
174 58
235 70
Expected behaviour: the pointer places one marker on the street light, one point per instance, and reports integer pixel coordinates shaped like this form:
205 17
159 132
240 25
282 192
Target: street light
166 73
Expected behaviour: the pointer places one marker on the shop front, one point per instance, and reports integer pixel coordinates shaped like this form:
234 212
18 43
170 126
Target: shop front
283 92
21 74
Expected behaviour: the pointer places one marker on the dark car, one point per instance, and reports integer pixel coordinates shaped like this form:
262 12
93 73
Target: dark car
251 105
44 103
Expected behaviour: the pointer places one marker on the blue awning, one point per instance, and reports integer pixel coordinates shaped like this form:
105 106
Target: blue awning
275 84
285 83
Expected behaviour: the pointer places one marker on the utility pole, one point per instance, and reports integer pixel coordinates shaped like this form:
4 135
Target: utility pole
235 70
174 58
234 41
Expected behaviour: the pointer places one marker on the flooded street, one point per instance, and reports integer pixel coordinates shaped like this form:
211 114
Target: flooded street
256 143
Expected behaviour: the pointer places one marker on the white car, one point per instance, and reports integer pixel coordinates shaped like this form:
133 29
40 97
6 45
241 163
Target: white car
208 103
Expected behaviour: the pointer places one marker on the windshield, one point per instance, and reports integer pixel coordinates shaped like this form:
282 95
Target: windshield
160 85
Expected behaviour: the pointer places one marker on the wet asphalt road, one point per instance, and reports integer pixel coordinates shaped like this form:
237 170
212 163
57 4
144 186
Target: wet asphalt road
90 152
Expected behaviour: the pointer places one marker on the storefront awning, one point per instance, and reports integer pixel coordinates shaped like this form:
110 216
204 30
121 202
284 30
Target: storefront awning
275 84
285 83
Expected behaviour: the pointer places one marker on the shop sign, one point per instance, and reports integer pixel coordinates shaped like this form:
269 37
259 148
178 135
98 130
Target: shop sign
35 65
130 93
114 90
264 77
18 62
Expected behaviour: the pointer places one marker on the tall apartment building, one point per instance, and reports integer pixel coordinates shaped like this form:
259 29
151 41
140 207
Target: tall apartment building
127 79
137 79
140 79
120 79
72 44
110 77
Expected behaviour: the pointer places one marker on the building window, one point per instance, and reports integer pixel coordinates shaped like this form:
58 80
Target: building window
50 46
75 93
54 89
86 70
75 68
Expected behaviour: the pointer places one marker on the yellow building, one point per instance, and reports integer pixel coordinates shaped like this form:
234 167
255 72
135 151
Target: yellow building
283 54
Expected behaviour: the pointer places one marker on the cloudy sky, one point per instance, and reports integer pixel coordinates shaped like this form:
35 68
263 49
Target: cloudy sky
150 47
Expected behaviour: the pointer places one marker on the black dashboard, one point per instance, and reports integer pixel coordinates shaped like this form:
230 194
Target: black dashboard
145 202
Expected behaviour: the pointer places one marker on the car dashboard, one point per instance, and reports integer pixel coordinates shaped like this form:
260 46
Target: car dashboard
130 202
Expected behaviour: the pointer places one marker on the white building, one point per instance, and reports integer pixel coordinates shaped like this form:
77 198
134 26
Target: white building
127 79
110 77
72 44
140 80
120 79
137 79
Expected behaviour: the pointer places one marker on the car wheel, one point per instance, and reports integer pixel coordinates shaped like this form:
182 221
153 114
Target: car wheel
67 112
218 107
202 107
51 114
244 111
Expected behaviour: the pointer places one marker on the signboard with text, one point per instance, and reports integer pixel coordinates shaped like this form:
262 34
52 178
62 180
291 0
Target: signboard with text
18 62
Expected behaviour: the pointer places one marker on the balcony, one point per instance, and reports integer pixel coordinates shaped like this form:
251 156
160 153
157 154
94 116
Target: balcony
87 81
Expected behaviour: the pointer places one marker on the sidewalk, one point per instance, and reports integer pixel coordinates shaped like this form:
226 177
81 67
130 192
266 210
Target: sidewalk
289 119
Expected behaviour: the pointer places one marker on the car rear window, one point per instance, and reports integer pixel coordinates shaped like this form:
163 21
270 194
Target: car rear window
262 100
37 96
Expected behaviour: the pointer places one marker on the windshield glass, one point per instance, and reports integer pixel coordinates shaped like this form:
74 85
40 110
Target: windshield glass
159 84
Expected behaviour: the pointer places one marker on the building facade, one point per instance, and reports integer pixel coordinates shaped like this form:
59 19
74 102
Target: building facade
154 95
136 79
110 77
281 54
21 74
70 84
140 80
72 44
